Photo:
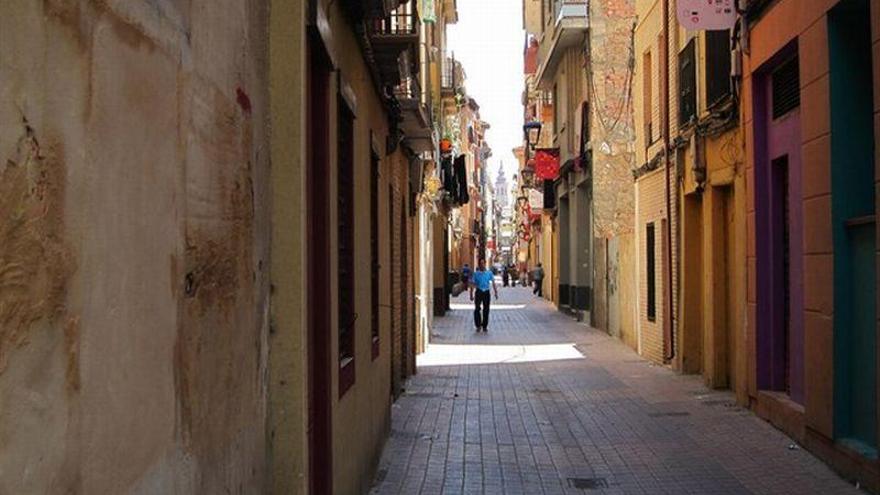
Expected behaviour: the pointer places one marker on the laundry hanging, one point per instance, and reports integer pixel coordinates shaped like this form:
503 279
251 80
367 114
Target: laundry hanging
448 176
462 196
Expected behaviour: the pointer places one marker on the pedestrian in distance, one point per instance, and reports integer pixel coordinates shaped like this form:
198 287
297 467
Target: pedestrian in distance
466 274
505 276
538 278
481 282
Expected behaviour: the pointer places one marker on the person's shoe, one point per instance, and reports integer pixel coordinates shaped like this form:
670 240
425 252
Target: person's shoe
485 329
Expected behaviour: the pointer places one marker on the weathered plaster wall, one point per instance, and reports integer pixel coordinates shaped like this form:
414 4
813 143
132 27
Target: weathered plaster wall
133 297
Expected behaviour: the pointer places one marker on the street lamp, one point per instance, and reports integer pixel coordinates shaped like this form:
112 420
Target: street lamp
532 133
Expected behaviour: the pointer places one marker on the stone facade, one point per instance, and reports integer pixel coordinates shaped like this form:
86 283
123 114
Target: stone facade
610 142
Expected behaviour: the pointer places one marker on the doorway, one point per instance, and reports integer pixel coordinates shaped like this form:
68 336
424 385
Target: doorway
725 290
779 227
319 299
853 226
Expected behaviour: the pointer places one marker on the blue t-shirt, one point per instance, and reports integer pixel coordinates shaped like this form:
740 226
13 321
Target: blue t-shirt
482 280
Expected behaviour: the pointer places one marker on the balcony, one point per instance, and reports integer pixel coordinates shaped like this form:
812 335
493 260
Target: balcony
359 9
415 115
569 24
451 78
393 35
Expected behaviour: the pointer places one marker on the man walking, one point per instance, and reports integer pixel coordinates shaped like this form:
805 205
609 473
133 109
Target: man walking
538 277
481 280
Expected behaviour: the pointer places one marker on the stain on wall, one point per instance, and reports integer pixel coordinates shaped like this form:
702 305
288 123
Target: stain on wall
35 262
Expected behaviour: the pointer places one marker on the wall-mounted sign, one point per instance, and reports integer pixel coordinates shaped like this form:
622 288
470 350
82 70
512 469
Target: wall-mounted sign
707 15
536 200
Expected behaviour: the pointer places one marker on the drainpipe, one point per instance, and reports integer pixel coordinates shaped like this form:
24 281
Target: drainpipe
670 330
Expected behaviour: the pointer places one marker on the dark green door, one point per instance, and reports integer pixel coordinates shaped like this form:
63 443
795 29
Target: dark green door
853 225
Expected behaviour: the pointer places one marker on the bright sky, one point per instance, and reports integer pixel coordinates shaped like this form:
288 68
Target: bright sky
488 40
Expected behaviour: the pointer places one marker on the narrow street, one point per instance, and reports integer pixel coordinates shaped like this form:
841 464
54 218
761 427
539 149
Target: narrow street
543 404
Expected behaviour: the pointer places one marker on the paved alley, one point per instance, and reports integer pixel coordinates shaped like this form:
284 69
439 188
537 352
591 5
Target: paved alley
543 404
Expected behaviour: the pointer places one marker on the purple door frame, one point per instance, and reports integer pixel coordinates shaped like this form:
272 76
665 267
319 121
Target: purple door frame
776 139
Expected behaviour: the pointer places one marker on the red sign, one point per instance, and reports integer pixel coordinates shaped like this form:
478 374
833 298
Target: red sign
547 163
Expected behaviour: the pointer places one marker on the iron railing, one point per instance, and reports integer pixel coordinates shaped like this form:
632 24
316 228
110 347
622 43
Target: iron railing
448 79
409 88
402 21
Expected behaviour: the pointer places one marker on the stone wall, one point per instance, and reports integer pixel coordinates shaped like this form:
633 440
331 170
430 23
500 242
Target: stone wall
611 136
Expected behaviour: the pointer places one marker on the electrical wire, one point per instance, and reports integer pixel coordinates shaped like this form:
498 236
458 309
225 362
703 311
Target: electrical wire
625 101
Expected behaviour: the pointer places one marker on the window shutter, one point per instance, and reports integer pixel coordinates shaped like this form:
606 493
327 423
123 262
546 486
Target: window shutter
687 80
717 66
786 88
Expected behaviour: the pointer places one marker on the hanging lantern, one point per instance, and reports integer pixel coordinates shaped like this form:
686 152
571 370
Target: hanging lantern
427 11
528 174
532 132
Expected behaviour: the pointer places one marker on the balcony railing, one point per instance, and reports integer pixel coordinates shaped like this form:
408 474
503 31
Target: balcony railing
448 79
408 89
403 21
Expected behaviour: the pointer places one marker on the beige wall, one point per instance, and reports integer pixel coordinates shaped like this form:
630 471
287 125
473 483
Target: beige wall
361 416
651 208
130 141
288 358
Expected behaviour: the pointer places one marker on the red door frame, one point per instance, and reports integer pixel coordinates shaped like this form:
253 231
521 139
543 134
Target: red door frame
318 299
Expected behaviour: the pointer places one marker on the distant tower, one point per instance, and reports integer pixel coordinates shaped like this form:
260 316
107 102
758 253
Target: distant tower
501 189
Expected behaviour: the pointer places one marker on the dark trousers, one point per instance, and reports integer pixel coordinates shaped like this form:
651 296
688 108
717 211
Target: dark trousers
482 299
539 287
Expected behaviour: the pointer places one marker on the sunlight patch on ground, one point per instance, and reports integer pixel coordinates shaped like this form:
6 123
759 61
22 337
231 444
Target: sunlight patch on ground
494 307
451 354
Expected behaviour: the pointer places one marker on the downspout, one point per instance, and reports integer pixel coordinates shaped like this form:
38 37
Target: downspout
670 325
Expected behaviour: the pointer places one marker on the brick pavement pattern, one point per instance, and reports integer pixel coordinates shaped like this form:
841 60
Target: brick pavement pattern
545 405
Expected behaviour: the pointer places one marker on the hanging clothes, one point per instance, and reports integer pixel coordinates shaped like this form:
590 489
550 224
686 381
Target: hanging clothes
448 176
461 177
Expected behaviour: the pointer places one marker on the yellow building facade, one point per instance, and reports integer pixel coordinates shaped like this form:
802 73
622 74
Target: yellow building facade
690 200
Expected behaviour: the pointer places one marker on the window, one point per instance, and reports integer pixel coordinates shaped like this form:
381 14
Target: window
648 97
651 265
717 66
687 80
374 251
786 88
345 248
585 128
555 98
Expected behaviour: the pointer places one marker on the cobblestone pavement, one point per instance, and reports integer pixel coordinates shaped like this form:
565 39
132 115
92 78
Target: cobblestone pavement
542 404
